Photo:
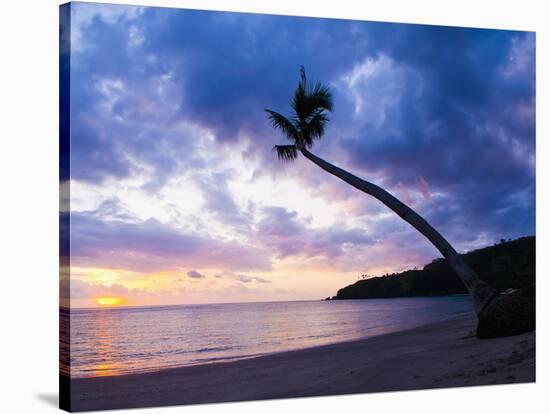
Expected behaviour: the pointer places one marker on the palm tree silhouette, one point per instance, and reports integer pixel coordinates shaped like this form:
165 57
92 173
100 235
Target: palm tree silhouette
497 315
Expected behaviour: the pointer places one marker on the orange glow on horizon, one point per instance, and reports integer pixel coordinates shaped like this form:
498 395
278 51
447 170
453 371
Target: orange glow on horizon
109 301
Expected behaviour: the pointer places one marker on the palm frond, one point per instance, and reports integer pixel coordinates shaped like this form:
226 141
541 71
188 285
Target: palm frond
286 152
303 77
321 97
284 124
308 98
299 102
316 125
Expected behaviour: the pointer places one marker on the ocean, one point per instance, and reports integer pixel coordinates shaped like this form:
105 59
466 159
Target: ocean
115 341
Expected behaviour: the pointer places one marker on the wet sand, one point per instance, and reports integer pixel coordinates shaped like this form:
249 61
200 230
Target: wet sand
439 355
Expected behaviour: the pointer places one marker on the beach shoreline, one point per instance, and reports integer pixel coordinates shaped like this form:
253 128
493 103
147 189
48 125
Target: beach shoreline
438 355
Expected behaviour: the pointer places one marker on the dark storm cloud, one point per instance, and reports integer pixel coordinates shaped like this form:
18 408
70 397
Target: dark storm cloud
232 65
447 113
224 67
464 123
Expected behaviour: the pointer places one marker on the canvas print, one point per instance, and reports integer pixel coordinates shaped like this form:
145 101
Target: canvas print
259 206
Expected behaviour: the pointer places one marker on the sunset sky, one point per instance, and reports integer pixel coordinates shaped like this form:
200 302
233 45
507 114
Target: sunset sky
177 196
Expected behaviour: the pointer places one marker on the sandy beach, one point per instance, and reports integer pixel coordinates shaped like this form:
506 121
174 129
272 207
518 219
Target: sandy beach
438 355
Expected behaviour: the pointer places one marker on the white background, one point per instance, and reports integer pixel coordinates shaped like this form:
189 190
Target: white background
29 204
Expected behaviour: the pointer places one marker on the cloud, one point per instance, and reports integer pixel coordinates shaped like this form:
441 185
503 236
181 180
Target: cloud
442 117
77 289
125 99
241 277
154 246
193 274
247 279
452 119
83 15
219 201
424 187
286 235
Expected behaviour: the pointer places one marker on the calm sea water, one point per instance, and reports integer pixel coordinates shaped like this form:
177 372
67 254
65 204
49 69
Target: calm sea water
118 341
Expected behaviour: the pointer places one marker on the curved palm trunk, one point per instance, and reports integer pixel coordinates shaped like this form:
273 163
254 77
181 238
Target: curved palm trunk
481 293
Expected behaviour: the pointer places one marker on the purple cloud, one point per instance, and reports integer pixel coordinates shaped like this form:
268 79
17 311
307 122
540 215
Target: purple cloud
442 116
282 231
153 246
193 274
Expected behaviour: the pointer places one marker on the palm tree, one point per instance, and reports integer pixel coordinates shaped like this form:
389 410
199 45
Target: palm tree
498 314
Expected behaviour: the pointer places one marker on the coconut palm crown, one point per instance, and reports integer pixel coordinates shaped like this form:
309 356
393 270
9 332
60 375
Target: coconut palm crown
310 106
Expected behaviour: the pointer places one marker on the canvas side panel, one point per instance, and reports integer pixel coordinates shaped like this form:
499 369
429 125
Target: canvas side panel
64 205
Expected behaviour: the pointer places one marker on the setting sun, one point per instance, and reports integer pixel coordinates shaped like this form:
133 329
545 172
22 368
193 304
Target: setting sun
109 301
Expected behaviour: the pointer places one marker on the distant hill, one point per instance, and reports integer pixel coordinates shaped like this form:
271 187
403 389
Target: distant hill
508 264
